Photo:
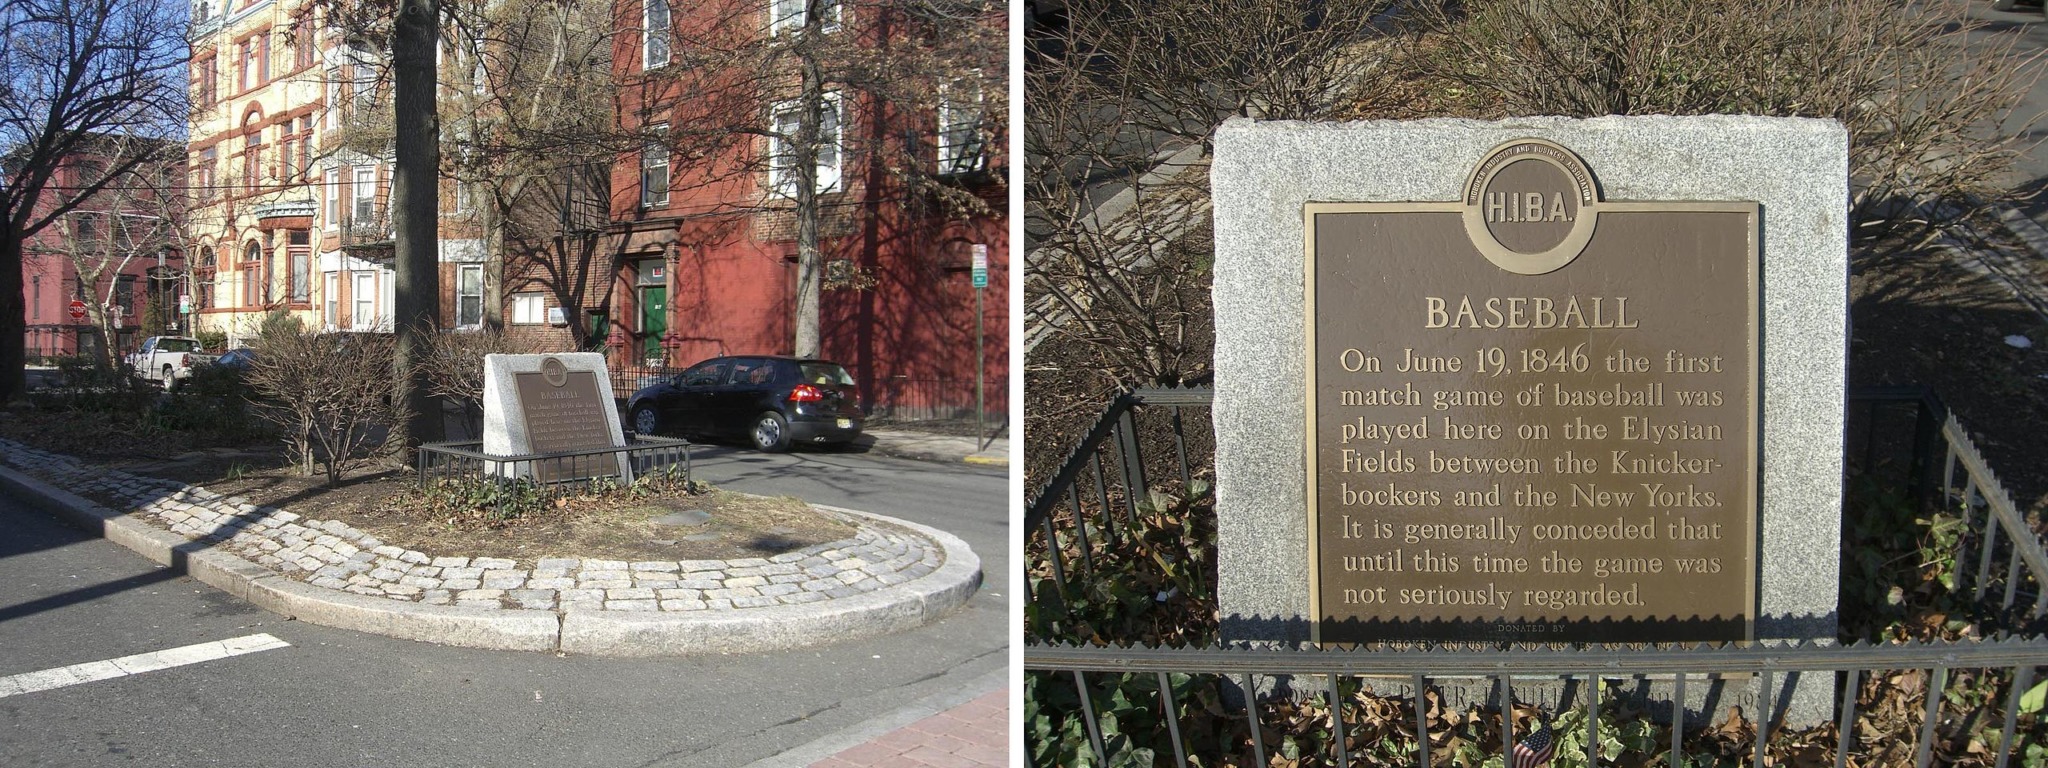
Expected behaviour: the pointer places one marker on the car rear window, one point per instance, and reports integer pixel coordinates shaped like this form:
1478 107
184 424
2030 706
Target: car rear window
825 373
174 345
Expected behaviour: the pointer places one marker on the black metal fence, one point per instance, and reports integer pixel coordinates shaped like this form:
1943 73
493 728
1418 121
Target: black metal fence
1902 439
558 472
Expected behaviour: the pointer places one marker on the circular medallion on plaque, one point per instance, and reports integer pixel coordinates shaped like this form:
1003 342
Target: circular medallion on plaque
1530 206
553 371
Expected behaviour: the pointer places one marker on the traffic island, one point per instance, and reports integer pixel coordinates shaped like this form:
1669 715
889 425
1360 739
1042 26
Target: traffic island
891 575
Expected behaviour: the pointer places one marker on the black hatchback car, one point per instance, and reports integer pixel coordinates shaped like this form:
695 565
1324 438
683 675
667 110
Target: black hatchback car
772 402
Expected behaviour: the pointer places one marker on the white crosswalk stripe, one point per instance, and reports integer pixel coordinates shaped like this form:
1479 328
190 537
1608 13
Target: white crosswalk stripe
95 671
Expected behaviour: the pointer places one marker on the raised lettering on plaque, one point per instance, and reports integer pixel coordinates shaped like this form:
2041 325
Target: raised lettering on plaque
1532 412
564 411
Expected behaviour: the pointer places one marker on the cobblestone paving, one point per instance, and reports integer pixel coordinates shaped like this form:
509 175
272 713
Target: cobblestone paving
332 554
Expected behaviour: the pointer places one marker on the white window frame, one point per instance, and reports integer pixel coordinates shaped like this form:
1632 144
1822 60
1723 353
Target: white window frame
332 301
464 272
362 189
792 21
656 42
781 182
529 309
960 152
330 189
654 157
363 301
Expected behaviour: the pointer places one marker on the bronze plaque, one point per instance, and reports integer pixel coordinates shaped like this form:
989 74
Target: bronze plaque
1532 413
564 411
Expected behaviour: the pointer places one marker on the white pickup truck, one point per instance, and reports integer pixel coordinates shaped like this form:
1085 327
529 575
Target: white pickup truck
166 359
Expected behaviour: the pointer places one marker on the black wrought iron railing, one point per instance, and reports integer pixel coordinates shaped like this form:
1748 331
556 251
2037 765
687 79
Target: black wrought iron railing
557 472
1153 445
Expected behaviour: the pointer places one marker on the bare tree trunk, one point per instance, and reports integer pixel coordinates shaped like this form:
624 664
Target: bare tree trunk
414 207
494 265
810 103
13 317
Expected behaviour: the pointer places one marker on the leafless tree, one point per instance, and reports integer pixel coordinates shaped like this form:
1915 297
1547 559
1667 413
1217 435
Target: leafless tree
1121 98
455 367
138 216
73 72
330 393
1926 93
834 85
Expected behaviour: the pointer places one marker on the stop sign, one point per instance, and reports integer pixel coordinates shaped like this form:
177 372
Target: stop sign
77 309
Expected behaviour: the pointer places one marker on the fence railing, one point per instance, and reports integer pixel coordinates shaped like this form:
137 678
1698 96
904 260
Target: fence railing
1901 437
554 473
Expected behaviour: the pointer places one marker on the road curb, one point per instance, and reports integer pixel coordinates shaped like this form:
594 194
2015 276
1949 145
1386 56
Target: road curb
598 633
893 609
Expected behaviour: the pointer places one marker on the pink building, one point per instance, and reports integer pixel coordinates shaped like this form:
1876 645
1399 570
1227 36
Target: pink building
130 229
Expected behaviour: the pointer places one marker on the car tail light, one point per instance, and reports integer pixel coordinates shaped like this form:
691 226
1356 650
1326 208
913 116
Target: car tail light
805 393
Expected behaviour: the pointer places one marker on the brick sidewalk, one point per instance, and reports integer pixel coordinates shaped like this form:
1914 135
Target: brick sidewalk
972 735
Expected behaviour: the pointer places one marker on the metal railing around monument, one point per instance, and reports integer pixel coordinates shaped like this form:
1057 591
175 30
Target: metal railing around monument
1903 437
557 472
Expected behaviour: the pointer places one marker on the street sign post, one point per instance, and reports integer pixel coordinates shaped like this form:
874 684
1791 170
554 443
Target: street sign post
980 391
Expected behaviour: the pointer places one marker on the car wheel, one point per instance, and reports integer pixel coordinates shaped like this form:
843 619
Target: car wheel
771 432
170 379
646 420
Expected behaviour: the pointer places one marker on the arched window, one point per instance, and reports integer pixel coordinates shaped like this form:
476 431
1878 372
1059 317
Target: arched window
252 150
254 292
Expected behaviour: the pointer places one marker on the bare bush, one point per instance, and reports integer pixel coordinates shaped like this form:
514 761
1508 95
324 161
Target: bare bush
1121 100
455 367
1924 91
331 394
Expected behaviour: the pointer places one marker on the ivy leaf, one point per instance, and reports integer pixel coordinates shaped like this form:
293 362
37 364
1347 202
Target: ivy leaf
2035 699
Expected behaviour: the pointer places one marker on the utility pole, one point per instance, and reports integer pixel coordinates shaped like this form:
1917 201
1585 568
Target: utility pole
415 184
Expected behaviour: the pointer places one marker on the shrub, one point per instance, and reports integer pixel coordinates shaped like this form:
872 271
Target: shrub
455 367
330 393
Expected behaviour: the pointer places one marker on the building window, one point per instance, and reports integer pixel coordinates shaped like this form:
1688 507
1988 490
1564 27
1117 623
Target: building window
960 146
208 76
247 65
788 15
35 285
469 295
305 147
655 52
252 275
529 309
332 298
782 152
252 154
303 43
330 97
654 169
124 295
364 209
364 296
204 281
202 174
300 249
330 193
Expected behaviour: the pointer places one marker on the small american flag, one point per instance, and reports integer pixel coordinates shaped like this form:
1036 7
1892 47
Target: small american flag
1534 751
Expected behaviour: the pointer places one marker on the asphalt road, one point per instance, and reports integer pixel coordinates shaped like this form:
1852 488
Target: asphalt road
338 698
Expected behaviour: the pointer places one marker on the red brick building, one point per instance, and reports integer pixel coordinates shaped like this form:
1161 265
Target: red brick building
702 257
127 233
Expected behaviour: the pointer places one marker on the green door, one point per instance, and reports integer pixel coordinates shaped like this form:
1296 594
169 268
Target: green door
653 321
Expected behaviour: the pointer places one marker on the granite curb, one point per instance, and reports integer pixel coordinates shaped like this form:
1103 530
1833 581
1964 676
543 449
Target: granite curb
574 629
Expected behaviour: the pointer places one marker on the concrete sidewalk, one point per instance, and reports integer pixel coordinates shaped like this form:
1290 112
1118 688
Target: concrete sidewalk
928 446
970 735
